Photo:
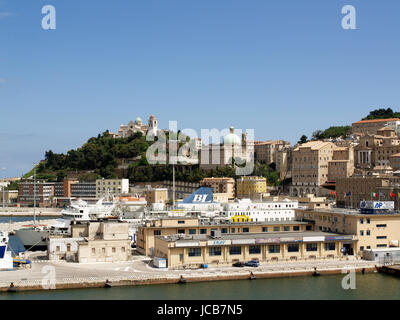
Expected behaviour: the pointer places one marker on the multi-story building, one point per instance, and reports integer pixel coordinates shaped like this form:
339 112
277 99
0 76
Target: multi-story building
193 251
351 191
83 190
156 195
371 230
220 185
111 187
376 150
10 197
44 193
92 242
310 167
251 187
266 151
342 163
371 127
193 226
283 162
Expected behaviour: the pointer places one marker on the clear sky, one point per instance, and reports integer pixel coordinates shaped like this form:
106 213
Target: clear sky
283 68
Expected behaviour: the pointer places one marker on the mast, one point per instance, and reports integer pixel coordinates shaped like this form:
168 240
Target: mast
173 186
34 196
3 187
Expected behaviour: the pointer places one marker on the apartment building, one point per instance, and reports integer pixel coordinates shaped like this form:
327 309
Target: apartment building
266 151
221 185
156 195
251 187
111 187
193 226
44 193
310 167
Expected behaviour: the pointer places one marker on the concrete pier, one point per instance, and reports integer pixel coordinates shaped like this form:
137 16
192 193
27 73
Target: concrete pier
139 272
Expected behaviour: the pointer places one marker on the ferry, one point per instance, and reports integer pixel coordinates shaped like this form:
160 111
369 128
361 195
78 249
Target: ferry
34 237
6 260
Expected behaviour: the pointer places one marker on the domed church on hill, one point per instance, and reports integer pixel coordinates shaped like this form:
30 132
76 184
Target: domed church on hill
131 128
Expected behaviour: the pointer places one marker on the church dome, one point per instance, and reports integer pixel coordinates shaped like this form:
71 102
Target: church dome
231 138
138 120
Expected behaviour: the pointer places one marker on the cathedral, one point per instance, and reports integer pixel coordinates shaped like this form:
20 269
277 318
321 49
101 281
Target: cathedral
138 126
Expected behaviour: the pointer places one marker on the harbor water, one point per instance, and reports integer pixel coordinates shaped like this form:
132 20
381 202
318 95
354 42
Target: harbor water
373 286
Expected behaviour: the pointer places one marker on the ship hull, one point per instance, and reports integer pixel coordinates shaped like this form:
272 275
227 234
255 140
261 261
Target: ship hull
32 239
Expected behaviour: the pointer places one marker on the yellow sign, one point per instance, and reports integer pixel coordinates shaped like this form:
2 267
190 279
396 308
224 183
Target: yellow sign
241 218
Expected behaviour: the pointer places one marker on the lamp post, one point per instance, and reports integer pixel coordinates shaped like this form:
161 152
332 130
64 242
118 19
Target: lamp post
34 194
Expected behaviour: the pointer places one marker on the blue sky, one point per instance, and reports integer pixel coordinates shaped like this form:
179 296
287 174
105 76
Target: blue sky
283 68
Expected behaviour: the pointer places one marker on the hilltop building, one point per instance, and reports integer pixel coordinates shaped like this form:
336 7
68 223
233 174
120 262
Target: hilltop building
131 128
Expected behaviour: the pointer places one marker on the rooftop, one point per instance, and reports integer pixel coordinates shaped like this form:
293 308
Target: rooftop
296 236
376 120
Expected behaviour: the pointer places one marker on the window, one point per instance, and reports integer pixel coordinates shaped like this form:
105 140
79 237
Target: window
368 220
194 252
235 250
312 247
361 232
123 249
296 228
368 233
181 222
381 225
203 231
192 231
245 230
309 228
265 229
181 231
58 248
113 250
293 247
274 248
381 237
330 246
361 220
157 232
215 251
93 251
224 230
381 246
103 250
233 230
68 247
361 248
277 229
286 228
254 249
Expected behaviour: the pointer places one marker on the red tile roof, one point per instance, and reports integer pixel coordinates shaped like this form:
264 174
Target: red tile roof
376 120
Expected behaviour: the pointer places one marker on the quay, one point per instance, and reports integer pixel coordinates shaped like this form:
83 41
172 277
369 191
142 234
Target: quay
28 212
140 272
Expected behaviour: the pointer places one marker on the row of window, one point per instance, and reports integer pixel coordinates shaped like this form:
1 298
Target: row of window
233 230
256 249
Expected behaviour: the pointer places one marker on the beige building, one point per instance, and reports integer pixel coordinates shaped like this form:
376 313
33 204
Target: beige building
377 150
156 195
131 128
310 167
372 126
251 187
371 230
10 197
351 191
284 162
111 187
221 185
193 226
92 242
266 151
342 163
191 251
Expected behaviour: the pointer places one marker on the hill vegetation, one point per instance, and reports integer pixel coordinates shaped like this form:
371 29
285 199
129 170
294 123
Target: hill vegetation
382 114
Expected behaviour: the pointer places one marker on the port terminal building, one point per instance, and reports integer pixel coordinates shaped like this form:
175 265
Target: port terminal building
223 250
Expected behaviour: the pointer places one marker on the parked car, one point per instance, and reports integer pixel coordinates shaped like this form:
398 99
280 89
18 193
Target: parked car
252 263
238 264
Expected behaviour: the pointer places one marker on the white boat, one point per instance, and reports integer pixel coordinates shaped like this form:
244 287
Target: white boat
35 236
6 260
